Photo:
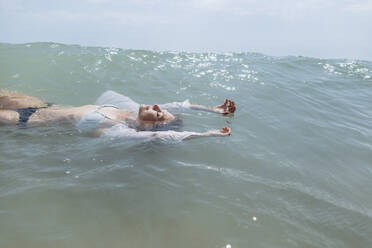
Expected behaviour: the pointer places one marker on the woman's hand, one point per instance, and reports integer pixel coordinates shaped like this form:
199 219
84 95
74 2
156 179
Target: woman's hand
227 108
225 131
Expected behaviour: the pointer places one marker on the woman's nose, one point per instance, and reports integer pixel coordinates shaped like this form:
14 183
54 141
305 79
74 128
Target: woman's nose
156 108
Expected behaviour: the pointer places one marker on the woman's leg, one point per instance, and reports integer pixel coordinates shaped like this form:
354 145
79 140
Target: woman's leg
8 117
13 101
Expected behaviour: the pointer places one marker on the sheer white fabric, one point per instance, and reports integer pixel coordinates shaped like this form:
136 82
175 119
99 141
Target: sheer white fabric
176 105
90 121
122 131
93 119
113 98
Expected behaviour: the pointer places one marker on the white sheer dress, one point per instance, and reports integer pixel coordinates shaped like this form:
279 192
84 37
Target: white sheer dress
93 119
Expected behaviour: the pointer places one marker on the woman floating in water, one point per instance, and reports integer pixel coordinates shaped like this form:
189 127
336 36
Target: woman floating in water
114 114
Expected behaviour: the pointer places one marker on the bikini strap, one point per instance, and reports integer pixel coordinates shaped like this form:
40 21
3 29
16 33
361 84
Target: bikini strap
107 117
107 106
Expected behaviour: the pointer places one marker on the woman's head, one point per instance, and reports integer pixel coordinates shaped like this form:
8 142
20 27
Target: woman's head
151 116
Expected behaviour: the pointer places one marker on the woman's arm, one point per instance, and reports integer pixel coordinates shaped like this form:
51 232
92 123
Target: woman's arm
225 131
227 108
167 136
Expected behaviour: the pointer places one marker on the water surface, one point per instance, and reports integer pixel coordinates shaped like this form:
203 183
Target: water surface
296 171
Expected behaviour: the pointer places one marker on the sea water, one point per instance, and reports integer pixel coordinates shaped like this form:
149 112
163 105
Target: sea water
296 171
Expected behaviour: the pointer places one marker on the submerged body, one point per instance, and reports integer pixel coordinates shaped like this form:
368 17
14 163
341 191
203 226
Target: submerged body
62 115
112 110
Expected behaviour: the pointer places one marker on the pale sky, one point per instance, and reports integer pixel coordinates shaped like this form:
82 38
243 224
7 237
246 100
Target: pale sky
315 28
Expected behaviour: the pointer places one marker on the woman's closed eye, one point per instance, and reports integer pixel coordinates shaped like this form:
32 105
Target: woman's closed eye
159 115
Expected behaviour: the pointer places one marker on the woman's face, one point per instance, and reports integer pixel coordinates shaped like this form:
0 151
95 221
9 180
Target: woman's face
154 114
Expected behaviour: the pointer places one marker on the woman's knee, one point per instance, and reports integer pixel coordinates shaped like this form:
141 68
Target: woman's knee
15 101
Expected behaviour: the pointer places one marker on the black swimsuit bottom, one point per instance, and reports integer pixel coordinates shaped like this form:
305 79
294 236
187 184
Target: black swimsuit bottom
25 113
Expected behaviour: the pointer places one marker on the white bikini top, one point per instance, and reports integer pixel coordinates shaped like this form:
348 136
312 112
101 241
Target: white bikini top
93 119
106 116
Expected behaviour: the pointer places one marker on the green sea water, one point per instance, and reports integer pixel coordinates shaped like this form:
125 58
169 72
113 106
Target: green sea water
296 171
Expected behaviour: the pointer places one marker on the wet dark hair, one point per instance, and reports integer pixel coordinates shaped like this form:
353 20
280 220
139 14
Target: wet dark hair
175 125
